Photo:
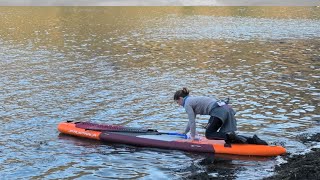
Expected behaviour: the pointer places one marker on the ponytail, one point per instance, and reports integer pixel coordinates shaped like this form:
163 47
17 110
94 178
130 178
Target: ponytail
181 93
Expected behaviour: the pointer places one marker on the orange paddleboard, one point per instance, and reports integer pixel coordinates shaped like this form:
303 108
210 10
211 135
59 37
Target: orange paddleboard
155 139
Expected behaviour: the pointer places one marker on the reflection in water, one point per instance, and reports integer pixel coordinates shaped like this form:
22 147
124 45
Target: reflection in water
126 161
121 66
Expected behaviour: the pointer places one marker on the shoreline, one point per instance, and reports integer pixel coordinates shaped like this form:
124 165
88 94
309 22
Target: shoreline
304 166
300 167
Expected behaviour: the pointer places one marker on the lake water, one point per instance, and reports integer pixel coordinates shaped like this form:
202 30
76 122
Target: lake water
121 65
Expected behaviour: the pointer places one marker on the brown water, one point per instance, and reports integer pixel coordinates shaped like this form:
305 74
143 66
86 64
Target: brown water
121 65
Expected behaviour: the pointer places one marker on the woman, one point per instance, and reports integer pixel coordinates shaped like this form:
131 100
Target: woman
222 123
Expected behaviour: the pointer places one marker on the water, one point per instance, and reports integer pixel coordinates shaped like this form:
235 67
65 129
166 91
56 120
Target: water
121 65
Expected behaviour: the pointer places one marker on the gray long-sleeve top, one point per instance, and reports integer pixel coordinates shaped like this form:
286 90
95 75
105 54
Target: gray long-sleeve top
197 105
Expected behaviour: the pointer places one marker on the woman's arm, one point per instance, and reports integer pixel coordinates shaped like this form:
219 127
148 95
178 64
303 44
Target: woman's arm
192 121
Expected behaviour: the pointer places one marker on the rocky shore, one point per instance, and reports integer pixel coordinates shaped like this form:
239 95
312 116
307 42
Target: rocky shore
300 167
297 167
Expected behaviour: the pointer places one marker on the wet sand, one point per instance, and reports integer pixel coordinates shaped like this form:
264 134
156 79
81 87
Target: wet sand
300 167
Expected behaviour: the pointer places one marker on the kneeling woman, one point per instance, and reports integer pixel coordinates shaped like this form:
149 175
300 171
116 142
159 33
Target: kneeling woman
222 123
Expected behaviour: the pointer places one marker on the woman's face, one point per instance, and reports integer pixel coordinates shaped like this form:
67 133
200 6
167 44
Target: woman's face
179 101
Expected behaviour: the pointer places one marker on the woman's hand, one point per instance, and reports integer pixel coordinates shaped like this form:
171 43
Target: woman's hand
195 139
188 136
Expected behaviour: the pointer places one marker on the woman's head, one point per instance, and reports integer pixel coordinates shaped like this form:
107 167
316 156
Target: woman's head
180 94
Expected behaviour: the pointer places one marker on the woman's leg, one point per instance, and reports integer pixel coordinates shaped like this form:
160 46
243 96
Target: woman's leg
212 128
211 132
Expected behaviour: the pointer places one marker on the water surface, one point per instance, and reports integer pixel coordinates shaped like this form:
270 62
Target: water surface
121 65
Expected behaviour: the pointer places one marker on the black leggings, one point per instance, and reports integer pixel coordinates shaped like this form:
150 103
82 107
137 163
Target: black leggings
212 128
212 131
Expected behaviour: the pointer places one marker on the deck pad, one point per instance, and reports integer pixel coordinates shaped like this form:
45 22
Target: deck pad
162 137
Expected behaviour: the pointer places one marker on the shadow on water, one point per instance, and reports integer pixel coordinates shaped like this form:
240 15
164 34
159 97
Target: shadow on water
220 166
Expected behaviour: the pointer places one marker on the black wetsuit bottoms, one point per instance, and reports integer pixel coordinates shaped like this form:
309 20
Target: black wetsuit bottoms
212 129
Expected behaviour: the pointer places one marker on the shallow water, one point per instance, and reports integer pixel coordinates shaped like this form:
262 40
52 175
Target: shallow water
122 66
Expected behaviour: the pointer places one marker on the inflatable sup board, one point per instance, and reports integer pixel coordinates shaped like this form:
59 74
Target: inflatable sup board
164 140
